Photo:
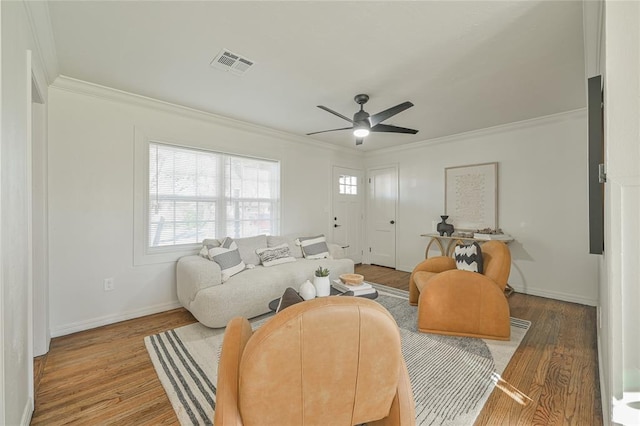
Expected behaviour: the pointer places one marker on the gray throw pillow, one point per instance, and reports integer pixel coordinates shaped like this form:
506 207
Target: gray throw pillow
314 247
229 261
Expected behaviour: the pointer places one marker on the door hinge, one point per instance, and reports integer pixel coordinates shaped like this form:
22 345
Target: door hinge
369 249
602 175
369 180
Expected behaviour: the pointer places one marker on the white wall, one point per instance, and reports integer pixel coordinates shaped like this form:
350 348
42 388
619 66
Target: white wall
542 199
16 364
91 195
621 304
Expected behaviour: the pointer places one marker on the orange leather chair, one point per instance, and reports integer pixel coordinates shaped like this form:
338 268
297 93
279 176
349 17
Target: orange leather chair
327 361
463 303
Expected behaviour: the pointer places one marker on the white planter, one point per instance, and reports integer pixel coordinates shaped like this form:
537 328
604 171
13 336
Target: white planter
322 285
307 290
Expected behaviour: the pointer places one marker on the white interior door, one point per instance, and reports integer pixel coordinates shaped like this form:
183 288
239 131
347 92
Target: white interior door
381 210
346 220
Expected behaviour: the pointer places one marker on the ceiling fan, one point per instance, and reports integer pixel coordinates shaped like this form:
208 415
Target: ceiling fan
363 123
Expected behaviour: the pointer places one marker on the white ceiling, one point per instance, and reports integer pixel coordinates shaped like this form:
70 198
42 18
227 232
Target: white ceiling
465 65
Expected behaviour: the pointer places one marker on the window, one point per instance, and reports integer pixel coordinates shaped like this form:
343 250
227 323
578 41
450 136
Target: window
348 185
196 194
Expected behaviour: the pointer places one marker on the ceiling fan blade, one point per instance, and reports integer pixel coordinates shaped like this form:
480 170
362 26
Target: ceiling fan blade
332 130
392 129
381 116
359 141
335 113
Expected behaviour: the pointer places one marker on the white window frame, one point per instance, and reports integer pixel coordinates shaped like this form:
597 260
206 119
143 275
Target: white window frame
143 253
345 185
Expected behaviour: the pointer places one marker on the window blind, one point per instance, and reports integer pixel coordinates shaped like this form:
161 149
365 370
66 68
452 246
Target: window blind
196 194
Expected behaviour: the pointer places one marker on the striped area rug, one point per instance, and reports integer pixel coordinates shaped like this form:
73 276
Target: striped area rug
451 377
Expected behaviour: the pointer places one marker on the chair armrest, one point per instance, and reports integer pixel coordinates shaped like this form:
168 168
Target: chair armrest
236 337
433 264
436 264
336 251
194 273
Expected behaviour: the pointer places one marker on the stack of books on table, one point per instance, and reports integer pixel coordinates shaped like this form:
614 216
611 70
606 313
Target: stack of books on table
358 290
489 237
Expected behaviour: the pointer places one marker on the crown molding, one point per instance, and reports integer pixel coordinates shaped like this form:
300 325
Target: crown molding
517 125
40 23
73 85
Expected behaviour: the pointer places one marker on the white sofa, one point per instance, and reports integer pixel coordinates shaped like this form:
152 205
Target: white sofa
248 293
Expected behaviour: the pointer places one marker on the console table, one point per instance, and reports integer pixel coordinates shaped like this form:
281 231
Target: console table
451 242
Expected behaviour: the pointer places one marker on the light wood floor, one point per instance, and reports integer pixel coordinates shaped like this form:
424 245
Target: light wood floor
105 376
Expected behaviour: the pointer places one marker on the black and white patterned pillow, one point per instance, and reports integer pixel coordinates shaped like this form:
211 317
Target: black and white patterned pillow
468 257
314 247
275 255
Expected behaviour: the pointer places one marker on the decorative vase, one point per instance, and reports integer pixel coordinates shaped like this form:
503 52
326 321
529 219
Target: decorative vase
322 285
307 290
444 227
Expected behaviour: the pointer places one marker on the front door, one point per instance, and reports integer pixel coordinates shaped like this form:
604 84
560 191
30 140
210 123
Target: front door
346 220
383 194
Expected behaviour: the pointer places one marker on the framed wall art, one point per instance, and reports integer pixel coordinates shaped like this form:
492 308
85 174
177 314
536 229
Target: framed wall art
471 196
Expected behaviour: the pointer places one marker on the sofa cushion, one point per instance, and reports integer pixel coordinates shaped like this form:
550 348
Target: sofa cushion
248 246
314 247
229 260
295 249
468 257
275 255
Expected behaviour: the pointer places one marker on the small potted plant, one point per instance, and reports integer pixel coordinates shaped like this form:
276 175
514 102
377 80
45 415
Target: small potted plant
321 282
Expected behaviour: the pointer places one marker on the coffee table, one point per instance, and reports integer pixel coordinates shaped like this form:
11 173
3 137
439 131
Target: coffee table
273 305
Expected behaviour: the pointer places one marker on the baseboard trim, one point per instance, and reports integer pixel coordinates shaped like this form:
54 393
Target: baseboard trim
565 297
111 319
27 413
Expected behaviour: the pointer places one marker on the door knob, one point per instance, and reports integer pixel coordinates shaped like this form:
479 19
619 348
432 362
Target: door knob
335 225
392 222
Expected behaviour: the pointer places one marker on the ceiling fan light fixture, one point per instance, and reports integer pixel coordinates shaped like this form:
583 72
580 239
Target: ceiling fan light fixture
361 132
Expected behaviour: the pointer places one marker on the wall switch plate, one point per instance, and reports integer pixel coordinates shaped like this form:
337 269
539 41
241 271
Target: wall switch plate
108 284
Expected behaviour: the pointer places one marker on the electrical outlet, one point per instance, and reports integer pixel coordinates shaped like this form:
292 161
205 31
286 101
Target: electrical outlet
108 284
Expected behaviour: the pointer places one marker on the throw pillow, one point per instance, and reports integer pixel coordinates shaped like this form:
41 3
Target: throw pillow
314 247
290 297
228 243
247 247
469 257
275 240
229 261
208 244
275 255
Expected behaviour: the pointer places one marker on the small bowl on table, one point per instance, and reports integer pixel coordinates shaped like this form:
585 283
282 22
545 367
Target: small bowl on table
352 279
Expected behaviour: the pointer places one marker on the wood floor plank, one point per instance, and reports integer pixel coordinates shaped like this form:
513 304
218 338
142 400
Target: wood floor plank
105 375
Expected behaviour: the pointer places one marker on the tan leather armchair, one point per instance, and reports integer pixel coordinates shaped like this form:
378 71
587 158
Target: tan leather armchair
463 303
327 361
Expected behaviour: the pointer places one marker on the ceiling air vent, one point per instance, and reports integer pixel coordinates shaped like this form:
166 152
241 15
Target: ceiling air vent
229 61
